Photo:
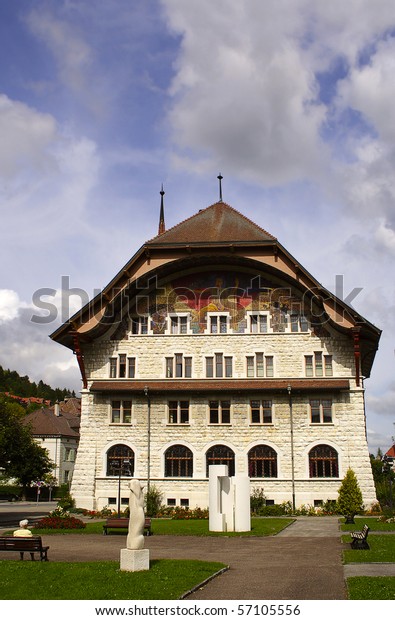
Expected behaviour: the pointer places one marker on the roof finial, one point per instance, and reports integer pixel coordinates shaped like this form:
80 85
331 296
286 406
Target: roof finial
162 227
220 177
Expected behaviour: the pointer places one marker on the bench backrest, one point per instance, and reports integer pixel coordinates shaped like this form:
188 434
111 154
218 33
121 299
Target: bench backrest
31 543
125 522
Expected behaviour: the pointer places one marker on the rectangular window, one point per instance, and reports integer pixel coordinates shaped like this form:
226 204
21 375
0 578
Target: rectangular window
309 366
255 411
131 367
140 325
121 412
113 367
122 366
178 366
260 366
179 412
321 411
298 323
261 411
318 365
258 323
219 366
219 411
269 366
209 368
328 365
218 324
228 366
178 324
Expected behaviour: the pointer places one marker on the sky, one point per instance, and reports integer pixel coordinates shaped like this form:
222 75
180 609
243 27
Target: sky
102 102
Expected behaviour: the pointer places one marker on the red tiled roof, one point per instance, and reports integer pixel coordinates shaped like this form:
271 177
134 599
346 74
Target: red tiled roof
44 422
219 223
391 451
214 385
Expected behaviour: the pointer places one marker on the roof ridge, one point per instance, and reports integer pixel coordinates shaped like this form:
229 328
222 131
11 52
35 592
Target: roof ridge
220 203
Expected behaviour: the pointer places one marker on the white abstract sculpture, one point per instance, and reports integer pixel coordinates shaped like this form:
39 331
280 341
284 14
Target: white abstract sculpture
135 539
135 557
229 501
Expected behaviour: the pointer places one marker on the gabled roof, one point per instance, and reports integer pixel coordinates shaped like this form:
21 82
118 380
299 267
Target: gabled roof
219 223
44 423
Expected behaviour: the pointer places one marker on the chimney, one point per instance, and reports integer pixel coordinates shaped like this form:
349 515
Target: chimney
57 409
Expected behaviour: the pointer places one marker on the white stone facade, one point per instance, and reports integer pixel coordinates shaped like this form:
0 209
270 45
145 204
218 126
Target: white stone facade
346 433
215 311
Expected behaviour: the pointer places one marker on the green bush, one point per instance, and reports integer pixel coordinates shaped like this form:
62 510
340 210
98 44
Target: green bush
153 501
349 502
66 502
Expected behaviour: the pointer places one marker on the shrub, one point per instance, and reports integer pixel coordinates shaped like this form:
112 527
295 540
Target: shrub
349 502
153 501
257 501
66 502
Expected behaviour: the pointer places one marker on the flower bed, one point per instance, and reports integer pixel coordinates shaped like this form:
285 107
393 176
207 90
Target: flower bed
56 522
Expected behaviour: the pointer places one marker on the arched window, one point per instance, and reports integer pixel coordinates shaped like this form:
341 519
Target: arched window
178 462
262 462
120 461
221 455
323 462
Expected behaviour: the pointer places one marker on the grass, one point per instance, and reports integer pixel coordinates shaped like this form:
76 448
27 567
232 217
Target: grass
382 549
166 579
371 588
178 527
373 522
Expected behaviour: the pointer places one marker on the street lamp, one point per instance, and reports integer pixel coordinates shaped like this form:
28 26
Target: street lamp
289 390
146 394
125 462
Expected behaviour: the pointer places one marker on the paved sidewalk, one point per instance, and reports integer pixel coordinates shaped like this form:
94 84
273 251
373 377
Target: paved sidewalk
303 562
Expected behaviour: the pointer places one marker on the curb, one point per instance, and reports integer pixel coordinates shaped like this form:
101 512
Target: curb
203 583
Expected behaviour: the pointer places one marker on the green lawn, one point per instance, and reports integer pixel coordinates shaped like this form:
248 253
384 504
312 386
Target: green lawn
265 526
371 588
382 549
374 524
166 579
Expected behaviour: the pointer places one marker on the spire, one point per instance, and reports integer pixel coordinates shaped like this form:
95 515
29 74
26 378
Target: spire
220 177
162 227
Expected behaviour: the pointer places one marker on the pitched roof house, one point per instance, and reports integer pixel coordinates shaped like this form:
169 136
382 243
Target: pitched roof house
57 429
213 345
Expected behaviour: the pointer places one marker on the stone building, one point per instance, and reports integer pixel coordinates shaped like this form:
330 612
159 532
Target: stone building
57 429
213 345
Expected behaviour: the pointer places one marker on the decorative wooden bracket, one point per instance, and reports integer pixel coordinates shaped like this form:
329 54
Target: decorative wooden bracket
80 358
357 356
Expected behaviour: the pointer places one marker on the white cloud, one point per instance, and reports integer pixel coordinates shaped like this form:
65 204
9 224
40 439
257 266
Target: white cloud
26 138
73 54
9 305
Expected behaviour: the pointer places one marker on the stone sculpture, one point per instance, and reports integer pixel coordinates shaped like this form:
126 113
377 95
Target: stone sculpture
135 538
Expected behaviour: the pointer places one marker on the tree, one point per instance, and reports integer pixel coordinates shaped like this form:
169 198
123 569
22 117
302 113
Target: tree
349 501
20 456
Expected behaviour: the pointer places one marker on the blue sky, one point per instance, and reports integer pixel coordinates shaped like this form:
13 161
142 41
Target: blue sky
102 102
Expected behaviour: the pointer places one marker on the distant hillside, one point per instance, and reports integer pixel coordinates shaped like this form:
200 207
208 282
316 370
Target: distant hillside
12 382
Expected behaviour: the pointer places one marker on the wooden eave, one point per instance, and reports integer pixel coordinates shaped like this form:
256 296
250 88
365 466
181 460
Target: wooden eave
218 385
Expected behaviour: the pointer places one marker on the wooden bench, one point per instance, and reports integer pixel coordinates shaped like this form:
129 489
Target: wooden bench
31 544
115 523
359 539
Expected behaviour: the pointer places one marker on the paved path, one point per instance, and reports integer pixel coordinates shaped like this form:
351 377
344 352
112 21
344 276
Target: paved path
303 562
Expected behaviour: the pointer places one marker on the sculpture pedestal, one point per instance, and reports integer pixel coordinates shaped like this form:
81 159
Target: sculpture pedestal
134 560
